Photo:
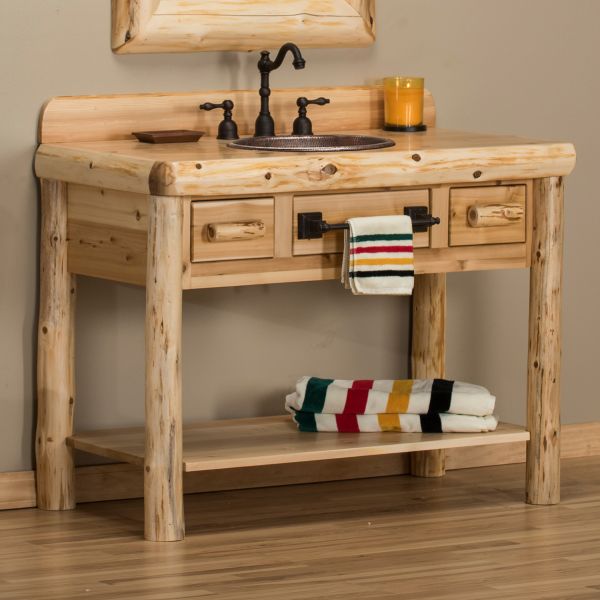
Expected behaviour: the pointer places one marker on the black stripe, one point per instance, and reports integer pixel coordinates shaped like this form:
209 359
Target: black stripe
441 395
381 273
431 423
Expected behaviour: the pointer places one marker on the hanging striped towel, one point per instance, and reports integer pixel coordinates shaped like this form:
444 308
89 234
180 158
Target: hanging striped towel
401 396
431 423
378 255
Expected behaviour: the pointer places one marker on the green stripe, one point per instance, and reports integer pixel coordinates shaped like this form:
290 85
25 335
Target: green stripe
306 421
314 398
376 237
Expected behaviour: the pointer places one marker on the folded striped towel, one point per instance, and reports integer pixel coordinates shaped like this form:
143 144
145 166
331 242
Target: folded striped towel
400 396
431 423
378 255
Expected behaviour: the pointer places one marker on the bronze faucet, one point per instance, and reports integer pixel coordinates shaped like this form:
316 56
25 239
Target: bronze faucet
265 126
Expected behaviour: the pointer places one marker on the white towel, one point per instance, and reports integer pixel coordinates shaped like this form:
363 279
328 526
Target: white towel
407 423
378 255
416 396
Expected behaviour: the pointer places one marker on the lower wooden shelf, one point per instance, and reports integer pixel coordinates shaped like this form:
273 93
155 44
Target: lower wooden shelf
214 445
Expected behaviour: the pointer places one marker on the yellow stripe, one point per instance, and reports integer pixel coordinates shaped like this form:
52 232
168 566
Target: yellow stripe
389 422
383 261
398 399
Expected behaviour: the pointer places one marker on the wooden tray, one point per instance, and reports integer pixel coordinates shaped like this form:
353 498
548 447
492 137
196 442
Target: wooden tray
168 136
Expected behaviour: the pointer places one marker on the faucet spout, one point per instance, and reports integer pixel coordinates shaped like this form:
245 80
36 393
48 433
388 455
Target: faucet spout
265 126
298 62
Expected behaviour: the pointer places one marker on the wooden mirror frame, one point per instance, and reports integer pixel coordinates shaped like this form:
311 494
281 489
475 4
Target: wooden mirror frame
145 26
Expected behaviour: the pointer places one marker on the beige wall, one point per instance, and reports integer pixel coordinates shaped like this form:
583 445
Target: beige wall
499 65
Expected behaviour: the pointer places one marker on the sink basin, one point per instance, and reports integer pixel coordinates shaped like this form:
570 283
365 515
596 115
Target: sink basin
312 143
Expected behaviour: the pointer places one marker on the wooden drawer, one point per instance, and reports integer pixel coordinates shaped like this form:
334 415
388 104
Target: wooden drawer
232 229
488 215
336 208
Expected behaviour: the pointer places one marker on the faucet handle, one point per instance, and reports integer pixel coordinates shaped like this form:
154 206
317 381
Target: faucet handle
227 127
303 125
304 102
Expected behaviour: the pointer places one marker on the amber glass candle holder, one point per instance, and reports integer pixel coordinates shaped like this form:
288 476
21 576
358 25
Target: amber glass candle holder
403 103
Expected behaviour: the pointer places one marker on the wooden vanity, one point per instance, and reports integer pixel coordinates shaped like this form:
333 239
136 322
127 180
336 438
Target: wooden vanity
174 217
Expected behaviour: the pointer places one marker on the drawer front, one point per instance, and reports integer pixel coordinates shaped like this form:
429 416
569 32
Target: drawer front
488 215
232 229
337 208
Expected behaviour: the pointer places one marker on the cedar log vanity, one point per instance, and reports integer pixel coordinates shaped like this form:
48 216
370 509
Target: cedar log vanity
185 216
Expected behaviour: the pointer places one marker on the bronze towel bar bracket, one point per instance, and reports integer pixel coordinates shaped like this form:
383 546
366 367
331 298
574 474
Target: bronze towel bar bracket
311 225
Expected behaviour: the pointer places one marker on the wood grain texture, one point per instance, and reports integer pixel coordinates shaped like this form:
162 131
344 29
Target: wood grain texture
466 538
129 19
438 235
431 463
321 267
428 348
337 208
113 246
17 490
478 215
144 26
263 8
428 354
446 158
88 140
495 215
120 481
284 215
114 117
163 486
543 372
275 440
262 271
55 355
235 231
220 215
123 480
107 233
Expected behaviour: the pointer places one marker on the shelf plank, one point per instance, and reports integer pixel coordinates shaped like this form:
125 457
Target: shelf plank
235 443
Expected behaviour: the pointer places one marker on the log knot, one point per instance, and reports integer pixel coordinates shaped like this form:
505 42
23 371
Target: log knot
317 171
161 177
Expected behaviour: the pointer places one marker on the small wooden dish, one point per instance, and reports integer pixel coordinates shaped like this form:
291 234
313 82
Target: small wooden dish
168 136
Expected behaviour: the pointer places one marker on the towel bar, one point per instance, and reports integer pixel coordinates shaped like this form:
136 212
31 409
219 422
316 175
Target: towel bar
311 225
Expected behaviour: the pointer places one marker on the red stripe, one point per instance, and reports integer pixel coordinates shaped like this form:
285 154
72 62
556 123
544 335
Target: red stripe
347 423
362 384
357 395
376 249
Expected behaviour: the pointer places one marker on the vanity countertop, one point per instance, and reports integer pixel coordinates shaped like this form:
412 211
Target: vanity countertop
210 168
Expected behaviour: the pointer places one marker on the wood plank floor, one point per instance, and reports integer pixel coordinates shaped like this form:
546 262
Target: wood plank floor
467 536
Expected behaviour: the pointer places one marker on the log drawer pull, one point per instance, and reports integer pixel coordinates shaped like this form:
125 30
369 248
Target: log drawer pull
495 215
235 232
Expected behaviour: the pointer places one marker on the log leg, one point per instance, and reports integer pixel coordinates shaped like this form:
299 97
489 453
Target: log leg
55 359
543 373
428 355
163 464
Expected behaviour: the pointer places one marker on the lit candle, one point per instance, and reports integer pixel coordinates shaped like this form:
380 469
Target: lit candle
403 103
